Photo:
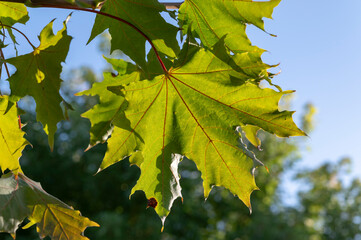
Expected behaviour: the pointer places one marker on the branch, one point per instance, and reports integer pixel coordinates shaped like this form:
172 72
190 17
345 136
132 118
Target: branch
90 3
63 3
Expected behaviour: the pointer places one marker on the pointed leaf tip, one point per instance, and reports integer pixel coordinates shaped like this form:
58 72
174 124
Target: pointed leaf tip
99 170
88 148
68 18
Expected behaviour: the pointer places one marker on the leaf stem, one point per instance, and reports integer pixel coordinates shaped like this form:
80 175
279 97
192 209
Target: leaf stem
27 39
116 18
3 58
6 66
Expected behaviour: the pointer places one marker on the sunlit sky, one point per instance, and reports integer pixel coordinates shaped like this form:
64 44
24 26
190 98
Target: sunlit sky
319 51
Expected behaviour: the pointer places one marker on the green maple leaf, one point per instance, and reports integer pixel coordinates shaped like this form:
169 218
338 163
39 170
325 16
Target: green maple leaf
21 197
110 104
38 75
144 14
11 13
195 111
213 20
12 142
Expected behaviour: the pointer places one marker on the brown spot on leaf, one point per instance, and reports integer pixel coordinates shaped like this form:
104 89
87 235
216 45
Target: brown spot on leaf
152 202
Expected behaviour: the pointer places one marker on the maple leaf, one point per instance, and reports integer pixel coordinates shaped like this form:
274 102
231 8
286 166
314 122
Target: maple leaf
195 111
213 19
143 14
202 108
38 75
12 142
11 13
21 197
13 209
110 104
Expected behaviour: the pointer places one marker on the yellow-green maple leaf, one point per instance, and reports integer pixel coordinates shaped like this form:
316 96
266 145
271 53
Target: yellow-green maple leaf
21 197
213 20
11 13
12 142
195 111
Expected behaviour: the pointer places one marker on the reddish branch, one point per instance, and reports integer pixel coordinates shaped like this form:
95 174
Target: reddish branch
27 39
63 3
118 19
90 3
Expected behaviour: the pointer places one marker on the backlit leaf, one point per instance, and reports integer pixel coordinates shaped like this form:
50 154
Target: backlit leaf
21 197
38 75
195 111
11 13
110 103
143 14
202 103
12 142
214 19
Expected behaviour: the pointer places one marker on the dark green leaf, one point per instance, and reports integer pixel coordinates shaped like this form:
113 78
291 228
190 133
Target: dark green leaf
143 14
38 75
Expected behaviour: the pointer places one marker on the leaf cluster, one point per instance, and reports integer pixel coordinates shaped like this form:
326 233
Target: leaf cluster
201 101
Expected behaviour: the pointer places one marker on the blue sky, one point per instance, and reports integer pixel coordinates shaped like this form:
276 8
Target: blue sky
319 51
